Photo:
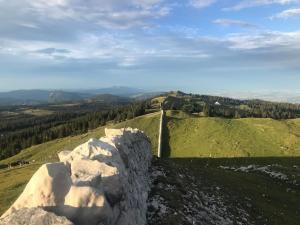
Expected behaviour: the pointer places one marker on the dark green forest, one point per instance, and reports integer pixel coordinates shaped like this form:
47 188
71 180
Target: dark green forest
23 131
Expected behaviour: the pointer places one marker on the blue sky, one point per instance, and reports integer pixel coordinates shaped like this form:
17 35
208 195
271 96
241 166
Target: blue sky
204 46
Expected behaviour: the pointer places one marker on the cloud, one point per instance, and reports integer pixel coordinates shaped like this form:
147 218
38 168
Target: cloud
289 13
266 41
162 51
199 4
237 23
114 13
52 51
28 25
256 3
107 35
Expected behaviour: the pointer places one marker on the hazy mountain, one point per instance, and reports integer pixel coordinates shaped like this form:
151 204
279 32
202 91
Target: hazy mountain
146 95
108 98
116 90
31 97
278 96
62 96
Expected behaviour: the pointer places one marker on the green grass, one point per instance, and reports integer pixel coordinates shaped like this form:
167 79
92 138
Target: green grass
47 152
12 184
37 112
184 136
188 136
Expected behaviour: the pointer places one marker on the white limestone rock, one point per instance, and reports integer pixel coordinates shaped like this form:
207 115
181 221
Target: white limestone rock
62 155
34 216
100 182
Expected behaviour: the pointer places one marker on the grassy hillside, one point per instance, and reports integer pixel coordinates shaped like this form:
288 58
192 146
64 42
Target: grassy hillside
47 152
185 136
14 180
189 136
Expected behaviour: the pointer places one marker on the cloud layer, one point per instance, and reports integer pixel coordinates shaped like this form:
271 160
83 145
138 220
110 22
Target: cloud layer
231 22
256 3
146 37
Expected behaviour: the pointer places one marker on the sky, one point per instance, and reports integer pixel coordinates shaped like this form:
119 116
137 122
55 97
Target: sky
201 46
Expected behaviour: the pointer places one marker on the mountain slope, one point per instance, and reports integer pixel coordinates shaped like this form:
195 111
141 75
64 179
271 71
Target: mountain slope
32 97
190 136
47 152
186 136
108 98
116 90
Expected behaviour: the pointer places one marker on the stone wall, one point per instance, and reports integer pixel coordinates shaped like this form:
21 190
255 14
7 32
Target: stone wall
100 182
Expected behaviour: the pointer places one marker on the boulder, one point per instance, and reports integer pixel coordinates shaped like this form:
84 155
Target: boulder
102 181
34 216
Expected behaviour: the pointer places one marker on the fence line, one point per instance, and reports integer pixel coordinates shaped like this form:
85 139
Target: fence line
160 133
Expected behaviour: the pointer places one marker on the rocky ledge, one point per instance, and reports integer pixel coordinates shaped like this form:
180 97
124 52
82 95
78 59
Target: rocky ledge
102 181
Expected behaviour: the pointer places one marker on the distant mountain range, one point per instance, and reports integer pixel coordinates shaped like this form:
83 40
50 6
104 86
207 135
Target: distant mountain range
278 96
115 90
34 97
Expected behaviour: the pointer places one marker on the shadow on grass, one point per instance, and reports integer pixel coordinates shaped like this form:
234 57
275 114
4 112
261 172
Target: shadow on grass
266 199
287 161
166 150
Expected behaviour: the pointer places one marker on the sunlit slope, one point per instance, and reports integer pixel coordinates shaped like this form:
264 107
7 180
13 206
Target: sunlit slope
47 152
185 136
218 137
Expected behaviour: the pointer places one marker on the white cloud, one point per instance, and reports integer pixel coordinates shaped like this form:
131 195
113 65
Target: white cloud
255 3
120 50
279 40
295 13
230 22
202 3
27 25
71 30
117 13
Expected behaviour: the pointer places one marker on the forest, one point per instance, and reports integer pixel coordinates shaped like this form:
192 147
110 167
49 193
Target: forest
22 131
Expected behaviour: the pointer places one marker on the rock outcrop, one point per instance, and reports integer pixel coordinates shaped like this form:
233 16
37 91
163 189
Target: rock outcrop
34 216
100 182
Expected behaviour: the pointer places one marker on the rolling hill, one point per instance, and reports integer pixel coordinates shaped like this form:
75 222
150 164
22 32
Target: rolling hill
191 136
185 136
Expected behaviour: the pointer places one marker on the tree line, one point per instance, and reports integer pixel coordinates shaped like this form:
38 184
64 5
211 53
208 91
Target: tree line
215 106
19 134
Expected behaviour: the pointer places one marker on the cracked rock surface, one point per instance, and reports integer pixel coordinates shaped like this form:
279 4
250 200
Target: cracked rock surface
102 181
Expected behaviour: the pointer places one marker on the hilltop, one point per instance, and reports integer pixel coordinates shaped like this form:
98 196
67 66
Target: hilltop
217 106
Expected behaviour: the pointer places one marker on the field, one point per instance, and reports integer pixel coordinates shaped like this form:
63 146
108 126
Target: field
188 136
259 186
